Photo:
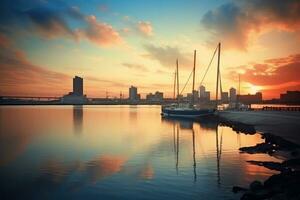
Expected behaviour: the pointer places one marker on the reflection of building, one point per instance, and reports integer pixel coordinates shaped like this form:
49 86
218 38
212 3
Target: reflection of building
232 95
133 95
75 97
157 97
290 97
250 98
224 97
204 95
78 119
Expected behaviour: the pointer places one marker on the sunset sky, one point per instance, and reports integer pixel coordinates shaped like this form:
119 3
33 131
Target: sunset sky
115 44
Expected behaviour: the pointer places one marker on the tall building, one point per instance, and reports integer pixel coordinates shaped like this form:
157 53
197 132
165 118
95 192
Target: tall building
78 86
75 97
232 95
224 97
202 91
204 95
133 95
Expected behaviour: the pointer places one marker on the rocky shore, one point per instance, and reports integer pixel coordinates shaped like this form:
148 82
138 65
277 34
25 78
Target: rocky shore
282 186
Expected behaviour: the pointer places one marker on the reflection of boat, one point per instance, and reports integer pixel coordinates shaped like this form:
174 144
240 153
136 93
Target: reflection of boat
190 110
176 148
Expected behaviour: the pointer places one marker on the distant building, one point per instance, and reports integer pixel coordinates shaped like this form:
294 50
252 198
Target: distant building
204 95
195 95
202 92
207 95
290 97
232 94
75 97
133 95
250 98
78 86
224 97
156 97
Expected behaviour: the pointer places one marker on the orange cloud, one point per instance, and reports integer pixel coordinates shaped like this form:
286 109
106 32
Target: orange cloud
100 33
145 28
18 76
274 75
234 23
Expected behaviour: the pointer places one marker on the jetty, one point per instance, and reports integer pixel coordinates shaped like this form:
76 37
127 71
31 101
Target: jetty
281 122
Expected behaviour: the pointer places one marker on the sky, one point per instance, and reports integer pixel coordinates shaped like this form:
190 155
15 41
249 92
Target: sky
115 44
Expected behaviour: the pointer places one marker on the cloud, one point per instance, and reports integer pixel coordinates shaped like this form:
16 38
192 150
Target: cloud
51 23
278 74
234 23
18 76
55 19
167 56
145 28
101 33
135 67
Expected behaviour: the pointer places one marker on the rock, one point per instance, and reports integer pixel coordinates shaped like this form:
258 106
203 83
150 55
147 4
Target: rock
268 164
259 148
236 189
256 185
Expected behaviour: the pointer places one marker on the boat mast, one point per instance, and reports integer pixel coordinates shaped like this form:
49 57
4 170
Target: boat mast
177 74
218 74
193 97
174 93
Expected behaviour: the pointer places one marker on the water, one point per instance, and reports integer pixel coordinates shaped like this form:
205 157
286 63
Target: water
119 152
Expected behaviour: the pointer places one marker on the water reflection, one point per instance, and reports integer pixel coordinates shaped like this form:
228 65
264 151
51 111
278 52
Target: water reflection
77 119
133 150
186 124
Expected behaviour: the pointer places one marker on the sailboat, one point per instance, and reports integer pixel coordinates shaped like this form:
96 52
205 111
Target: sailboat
190 111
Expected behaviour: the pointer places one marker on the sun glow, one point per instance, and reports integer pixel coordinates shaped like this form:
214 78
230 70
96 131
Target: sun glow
254 89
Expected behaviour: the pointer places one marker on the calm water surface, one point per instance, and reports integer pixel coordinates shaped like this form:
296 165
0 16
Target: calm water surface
119 152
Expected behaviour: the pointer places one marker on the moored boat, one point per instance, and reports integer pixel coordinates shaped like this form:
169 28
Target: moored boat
190 110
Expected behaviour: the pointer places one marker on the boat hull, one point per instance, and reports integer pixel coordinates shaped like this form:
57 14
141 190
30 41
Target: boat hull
187 113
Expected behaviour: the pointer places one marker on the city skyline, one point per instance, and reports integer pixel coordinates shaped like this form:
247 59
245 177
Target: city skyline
113 45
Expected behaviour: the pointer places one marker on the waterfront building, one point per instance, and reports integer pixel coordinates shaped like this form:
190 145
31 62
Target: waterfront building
224 97
76 96
78 86
232 94
290 97
250 98
133 95
156 97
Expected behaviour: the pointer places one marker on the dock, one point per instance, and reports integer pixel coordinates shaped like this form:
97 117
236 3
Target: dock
284 123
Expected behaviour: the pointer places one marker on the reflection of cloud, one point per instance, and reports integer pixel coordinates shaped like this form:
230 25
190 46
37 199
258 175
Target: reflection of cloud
11 147
104 166
234 22
147 172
